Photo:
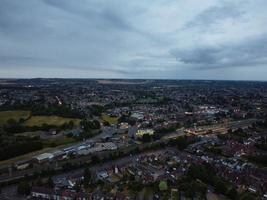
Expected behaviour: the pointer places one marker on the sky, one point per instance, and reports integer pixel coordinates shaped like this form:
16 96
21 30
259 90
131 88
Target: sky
146 39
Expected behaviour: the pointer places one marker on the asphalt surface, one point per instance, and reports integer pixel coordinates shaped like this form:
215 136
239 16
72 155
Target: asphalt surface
20 174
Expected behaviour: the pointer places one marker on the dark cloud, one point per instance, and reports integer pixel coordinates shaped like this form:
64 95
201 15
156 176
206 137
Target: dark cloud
9 16
132 38
246 53
202 55
62 4
224 11
18 59
103 17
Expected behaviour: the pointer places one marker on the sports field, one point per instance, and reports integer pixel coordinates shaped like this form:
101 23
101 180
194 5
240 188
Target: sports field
16 115
107 118
50 120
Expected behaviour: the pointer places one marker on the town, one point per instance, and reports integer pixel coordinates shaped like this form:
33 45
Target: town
83 139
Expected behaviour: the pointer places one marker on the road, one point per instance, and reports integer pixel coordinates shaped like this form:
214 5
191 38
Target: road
117 162
219 127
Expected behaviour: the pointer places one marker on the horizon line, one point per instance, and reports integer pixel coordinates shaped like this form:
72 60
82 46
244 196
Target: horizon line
170 79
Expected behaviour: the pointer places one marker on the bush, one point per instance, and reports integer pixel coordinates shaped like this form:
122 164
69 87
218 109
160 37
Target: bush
24 188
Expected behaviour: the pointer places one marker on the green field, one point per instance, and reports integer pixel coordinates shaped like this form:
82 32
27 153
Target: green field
111 120
29 134
16 115
57 142
50 120
34 120
213 196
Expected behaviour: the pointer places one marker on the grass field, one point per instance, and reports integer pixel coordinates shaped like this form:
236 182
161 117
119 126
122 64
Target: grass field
50 120
65 143
57 142
16 115
111 120
213 196
29 134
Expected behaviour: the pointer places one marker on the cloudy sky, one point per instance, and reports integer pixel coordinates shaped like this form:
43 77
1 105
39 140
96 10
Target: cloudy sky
175 39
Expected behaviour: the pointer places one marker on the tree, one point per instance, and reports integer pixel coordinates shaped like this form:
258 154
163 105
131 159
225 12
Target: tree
106 123
95 159
193 189
96 109
96 124
24 188
87 176
135 185
247 196
181 142
88 125
219 185
232 193
146 138
163 186
265 122
50 183
71 125
12 126
77 187
38 182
